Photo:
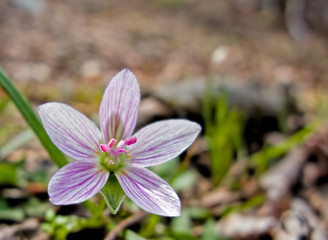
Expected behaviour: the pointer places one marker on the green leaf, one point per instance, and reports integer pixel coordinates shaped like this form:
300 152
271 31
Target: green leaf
13 214
32 120
209 232
3 104
164 170
35 208
149 228
262 158
130 235
223 131
10 213
184 180
183 236
8 174
183 223
18 141
199 213
113 194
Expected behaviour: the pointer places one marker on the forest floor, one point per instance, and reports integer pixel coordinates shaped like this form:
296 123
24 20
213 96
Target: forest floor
68 51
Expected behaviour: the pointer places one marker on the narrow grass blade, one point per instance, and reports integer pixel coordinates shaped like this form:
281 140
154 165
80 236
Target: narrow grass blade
16 142
32 120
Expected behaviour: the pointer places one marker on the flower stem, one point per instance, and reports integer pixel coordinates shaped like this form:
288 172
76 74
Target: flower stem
32 120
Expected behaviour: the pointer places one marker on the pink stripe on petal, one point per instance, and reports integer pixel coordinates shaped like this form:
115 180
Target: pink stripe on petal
150 192
76 182
71 131
119 107
162 141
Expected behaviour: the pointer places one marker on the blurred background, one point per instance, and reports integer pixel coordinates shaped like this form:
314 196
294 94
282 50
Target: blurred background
253 73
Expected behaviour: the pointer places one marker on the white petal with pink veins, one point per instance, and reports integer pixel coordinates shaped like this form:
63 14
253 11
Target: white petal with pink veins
76 182
162 141
150 192
119 106
71 131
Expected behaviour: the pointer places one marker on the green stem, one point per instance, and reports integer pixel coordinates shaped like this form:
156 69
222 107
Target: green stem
32 120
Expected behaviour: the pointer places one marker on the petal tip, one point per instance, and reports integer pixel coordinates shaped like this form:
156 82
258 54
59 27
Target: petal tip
126 70
119 106
175 212
54 202
41 107
195 125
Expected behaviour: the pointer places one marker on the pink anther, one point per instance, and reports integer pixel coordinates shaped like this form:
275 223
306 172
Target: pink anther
122 151
111 143
104 147
130 141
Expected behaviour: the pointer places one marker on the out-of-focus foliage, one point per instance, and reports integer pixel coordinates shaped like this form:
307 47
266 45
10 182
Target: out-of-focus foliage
268 154
31 119
130 235
8 174
223 130
209 232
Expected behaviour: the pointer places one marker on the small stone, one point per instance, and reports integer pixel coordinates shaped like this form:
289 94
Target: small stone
219 54
91 69
30 6
150 109
237 226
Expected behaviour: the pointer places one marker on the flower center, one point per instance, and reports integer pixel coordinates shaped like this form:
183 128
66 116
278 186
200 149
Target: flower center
114 154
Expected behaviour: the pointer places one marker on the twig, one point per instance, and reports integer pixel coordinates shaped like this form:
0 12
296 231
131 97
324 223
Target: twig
125 223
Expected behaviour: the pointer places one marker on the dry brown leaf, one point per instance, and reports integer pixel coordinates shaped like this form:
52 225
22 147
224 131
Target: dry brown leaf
280 178
244 226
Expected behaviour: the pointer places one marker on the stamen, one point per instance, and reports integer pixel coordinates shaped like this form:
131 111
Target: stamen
111 143
122 151
130 141
115 149
120 145
104 147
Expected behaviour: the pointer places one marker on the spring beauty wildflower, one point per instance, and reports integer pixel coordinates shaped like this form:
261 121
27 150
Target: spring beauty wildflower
114 150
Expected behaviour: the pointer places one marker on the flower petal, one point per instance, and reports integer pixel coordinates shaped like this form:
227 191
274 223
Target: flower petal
72 132
76 182
161 141
119 107
149 191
